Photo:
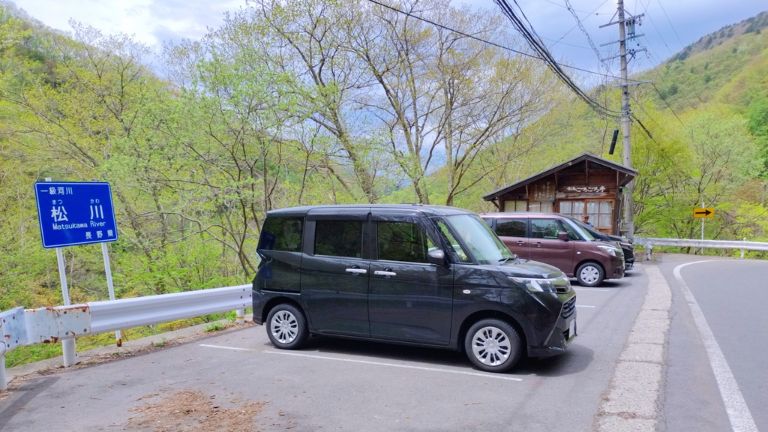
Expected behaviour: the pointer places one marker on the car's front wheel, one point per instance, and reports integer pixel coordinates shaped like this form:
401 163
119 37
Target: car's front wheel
590 274
286 327
493 345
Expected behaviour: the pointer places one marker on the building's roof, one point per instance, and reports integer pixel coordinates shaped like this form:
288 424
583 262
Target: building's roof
330 209
629 173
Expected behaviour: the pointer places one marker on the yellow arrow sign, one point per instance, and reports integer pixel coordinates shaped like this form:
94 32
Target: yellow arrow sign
704 212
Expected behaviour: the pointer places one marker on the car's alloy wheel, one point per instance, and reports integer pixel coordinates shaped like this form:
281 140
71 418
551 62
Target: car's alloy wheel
286 327
493 345
590 274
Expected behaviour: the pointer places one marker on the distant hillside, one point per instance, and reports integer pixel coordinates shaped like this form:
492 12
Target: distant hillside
755 24
728 66
707 114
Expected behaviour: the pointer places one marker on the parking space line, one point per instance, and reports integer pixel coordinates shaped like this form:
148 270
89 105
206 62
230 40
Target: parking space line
395 365
226 347
586 306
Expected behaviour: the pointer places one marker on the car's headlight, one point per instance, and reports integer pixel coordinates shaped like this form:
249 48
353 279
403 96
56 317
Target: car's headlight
554 286
610 250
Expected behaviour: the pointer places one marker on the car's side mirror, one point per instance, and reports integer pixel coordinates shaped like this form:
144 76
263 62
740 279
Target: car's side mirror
436 256
562 235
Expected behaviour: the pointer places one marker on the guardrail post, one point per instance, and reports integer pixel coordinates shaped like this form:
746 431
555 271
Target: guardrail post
68 348
240 314
3 379
648 251
742 249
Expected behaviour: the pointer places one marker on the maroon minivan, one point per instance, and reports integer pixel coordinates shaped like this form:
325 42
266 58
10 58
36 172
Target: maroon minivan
557 240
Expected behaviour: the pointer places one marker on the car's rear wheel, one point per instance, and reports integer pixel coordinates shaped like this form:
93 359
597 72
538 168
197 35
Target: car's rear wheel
590 274
493 345
286 327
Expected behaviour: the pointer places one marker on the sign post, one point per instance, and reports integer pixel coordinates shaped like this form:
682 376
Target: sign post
703 213
76 213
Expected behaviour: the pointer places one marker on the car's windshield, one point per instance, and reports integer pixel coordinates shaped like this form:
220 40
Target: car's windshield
477 236
587 232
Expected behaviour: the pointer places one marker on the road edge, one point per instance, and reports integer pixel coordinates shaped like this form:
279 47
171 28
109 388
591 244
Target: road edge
736 407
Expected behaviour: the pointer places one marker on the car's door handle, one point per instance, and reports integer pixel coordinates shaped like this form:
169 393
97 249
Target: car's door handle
384 273
519 242
356 271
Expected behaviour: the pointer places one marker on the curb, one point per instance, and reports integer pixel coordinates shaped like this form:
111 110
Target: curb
632 400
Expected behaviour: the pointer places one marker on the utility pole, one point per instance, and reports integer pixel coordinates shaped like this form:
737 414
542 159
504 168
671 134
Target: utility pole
626 32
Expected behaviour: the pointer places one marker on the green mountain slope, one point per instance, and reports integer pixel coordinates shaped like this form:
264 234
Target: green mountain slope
708 125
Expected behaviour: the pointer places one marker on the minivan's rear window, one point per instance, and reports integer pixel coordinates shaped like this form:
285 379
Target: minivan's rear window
339 238
281 234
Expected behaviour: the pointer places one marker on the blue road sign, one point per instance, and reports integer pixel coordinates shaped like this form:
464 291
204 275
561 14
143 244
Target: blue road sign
73 213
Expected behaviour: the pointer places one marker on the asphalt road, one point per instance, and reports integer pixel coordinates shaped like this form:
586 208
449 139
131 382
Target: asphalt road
345 385
732 295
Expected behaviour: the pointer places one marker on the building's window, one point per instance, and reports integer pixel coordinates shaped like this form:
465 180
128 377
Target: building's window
339 238
541 206
600 214
516 205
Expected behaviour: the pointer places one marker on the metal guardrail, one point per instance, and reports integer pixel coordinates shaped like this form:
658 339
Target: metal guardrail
650 243
21 326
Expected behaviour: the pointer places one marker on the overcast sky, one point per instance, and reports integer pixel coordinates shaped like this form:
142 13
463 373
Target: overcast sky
668 25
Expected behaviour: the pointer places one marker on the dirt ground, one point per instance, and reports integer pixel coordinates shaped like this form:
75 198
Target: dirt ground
194 411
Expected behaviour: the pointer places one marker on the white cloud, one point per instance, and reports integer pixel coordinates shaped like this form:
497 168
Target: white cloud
149 21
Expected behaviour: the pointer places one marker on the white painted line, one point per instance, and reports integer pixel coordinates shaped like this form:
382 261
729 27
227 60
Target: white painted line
735 405
226 347
395 365
586 306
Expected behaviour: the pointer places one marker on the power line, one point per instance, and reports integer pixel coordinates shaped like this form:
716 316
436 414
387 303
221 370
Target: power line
594 12
488 42
537 45
584 30
670 23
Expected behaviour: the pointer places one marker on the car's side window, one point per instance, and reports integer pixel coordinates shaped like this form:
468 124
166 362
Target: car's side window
281 234
572 234
511 227
453 242
342 238
402 241
545 228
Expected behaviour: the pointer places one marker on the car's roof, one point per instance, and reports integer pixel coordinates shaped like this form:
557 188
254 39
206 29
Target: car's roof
346 208
521 214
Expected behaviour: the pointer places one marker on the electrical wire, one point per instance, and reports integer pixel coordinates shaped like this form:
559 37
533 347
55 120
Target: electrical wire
538 46
488 42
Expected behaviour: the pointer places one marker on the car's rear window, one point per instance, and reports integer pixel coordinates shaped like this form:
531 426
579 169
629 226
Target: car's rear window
281 234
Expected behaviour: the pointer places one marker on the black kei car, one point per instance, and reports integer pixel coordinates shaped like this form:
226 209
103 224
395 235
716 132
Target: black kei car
626 245
408 274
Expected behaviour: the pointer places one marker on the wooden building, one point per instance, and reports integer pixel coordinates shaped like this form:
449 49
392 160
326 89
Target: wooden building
587 188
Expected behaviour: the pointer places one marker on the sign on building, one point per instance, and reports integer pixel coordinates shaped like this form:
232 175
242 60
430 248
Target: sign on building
73 213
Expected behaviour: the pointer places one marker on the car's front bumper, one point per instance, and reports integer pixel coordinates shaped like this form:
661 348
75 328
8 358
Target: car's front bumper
564 331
